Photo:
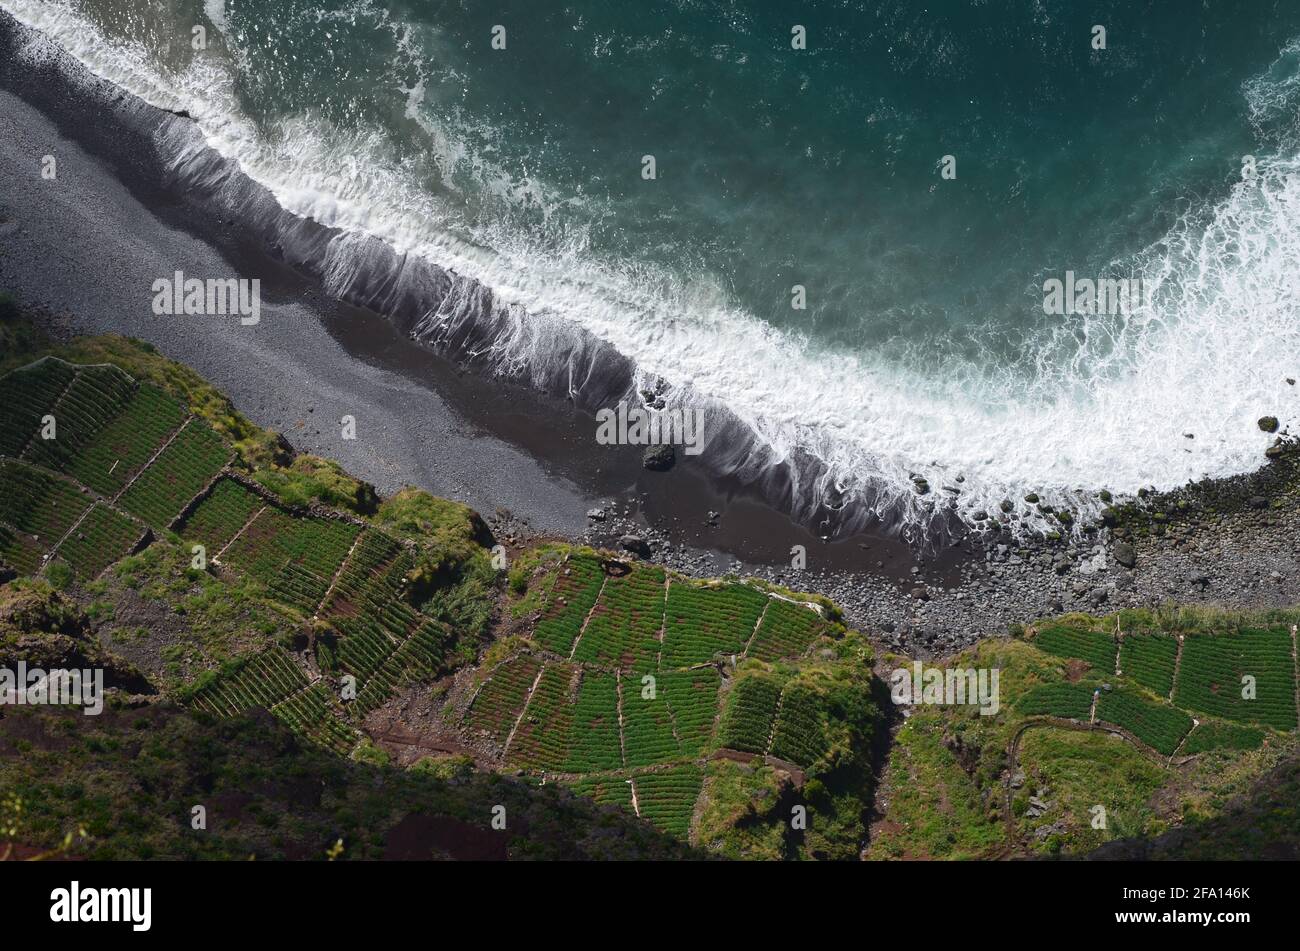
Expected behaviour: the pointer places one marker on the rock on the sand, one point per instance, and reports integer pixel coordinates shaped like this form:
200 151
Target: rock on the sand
1124 553
636 545
659 458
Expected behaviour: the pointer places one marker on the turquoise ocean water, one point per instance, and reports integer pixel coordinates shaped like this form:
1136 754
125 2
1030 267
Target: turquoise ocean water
923 348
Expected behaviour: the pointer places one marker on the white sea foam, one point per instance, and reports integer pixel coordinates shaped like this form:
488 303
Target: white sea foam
1155 399
215 11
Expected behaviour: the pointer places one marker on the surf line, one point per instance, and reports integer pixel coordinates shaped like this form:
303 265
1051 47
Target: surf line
638 426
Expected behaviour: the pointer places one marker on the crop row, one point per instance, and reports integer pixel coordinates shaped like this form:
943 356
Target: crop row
799 735
693 701
39 504
502 696
1096 647
219 517
101 538
1149 660
1213 671
594 745
576 588
786 630
309 714
19 551
117 452
702 622
747 720
95 395
1217 735
648 734
542 739
363 645
624 627
420 655
26 395
1070 701
275 539
1159 726
299 587
262 681
368 589
372 553
667 797
605 790
177 475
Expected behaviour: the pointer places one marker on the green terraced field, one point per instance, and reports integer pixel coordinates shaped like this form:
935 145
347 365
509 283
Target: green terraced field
1071 701
372 556
368 640
178 474
786 630
667 797
1157 725
703 622
501 698
542 738
262 680
366 606
624 628
1210 676
309 714
37 504
95 395
276 539
111 457
1217 735
1095 647
665 640
1149 660
606 790
26 395
272 681
19 552
219 517
693 702
799 736
750 709
420 655
577 586
101 538
594 746
648 733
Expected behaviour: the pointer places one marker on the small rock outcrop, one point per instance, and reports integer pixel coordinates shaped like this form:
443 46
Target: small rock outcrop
659 458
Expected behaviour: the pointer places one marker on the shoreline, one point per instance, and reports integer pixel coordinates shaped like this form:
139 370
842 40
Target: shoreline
163 157
118 217
553 433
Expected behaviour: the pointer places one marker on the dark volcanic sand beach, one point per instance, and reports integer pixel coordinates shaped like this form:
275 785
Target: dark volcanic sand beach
89 246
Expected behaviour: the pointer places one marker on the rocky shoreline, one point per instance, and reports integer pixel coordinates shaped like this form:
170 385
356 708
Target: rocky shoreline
1233 543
